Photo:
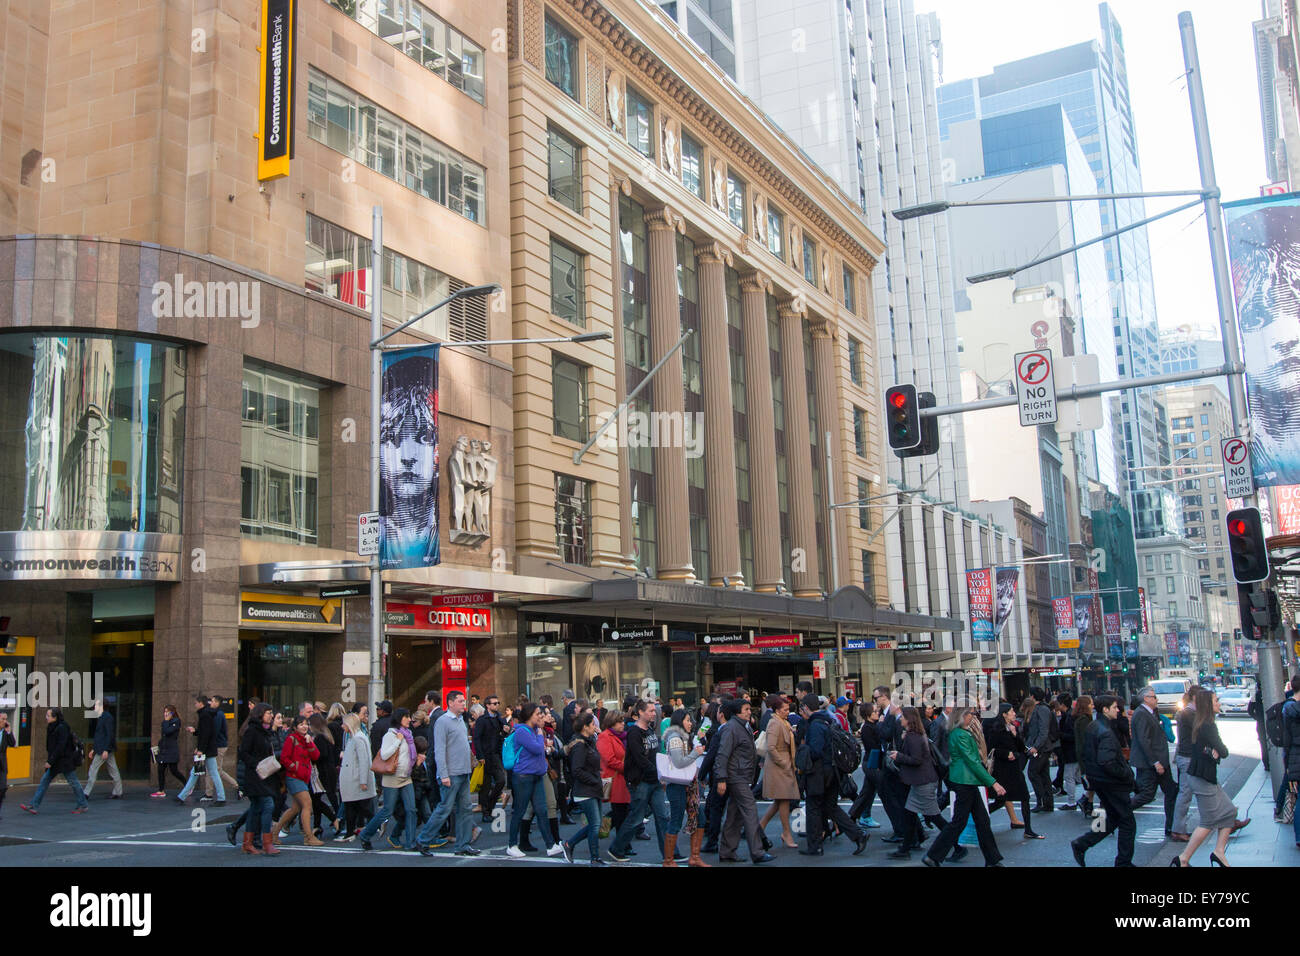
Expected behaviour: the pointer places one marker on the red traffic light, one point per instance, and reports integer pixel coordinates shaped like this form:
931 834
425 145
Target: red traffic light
1236 527
898 399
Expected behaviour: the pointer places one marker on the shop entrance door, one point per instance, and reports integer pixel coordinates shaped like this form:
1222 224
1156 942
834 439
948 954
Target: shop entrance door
414 669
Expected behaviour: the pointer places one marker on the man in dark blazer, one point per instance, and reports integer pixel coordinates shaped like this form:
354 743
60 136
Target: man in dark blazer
1149 755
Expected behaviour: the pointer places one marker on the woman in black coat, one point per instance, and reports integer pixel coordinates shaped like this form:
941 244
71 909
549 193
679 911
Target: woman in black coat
1009 760
259 742
169 750
327 766
588 789
916 769
860 812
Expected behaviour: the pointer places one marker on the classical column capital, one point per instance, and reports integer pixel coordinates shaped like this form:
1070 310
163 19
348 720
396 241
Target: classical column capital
823 328
713 252
755 282
620 182
664 218
788 308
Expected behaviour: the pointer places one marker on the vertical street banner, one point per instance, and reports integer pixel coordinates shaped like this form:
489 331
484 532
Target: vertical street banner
1130 621
1286 510
1142 606
408 460
1084 624
1114 649
1067 637
1171 648
1185 648
1264 252
275 103
1007 578
979 592
1094 585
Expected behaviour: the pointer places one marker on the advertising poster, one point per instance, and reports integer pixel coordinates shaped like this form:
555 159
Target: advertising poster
1264 252
1007 579
979 591
1171 648
1286 510
1083 619
1185 647
1142 605
408 460
1130 621
1067 638
1114 649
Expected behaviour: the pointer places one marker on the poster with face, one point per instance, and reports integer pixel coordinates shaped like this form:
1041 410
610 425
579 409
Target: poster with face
408 460
1264 251
1083 615
1114 649
979 591
1130 621
1007 579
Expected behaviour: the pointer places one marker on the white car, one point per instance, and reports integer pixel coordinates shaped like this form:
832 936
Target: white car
1235 702
1169 694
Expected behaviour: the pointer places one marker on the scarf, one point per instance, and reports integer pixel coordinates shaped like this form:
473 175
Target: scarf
410 742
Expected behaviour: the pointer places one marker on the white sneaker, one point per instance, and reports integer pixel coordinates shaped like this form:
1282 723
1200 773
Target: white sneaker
556 850
515 853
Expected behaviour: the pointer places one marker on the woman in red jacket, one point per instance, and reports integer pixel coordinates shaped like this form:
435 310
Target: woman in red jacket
296 758
613 748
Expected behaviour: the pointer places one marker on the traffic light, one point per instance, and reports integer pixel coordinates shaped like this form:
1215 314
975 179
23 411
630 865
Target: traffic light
1132 633
1265 611
903 418
1247 545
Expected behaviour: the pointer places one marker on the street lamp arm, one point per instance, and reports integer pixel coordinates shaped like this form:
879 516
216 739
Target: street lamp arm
468 291
942 205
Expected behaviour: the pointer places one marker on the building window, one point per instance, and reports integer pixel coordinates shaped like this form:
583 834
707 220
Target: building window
849 279
425 38
338 266
1205 420
640 123
855 361
572 518
864 511
810 260
1169 586
869 574
1151 588
736 200
1169 562
860 431
775 232
692 163
347 122
1150 562
569 397
564 169
279 456
562 58
566 284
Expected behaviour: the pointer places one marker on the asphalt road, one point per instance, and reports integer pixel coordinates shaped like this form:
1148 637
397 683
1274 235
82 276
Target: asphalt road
139 831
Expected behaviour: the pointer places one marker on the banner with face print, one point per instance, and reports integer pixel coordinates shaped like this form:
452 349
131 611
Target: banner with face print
408 460
979 593
1084 623
1007 579
1264 250
1114 649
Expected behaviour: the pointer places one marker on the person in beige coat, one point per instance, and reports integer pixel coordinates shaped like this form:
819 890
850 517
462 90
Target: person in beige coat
779 782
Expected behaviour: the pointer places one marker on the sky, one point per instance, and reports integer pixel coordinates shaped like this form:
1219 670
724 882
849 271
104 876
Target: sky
980 34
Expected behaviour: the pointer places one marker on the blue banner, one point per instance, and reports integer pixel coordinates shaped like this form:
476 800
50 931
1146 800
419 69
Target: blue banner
408 460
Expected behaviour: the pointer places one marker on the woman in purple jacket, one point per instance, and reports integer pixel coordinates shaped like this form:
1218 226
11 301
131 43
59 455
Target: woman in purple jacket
528 779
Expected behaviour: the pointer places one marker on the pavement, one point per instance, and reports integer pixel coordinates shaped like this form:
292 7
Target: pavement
139 831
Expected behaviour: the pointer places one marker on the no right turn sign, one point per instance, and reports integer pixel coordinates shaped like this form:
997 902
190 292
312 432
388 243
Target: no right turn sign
1036 388
1236 468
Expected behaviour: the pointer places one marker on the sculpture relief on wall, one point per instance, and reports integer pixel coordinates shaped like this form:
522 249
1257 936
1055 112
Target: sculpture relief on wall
614 101
826 271
473 470
760 219
796 246
719 187
671 146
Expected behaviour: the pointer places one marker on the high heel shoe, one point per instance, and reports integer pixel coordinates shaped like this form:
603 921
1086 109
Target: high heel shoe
1215 861
1178 862
1017 826
1031 835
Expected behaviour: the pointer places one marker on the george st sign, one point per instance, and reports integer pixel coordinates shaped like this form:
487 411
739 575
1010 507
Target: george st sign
1036 388
1236 468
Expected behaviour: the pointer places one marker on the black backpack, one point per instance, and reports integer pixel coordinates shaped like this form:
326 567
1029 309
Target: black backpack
1273 724
803 758
842 749
78 748
1053 730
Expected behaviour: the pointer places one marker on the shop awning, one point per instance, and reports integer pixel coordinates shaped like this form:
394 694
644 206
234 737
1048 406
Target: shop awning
651 599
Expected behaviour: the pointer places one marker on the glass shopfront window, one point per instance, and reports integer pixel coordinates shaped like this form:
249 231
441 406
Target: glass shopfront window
93 433
279 456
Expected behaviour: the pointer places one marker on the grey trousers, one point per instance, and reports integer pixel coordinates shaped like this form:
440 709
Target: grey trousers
1183 806
231 786
742 811
111 764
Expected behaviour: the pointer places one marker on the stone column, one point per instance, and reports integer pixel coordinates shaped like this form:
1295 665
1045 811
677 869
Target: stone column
719 419
619 187
798 451
672 516
830 417
764 503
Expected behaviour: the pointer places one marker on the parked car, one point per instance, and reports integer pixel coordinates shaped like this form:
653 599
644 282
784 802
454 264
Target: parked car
1234 702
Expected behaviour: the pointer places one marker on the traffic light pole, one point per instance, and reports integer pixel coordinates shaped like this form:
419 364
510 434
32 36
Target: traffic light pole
1270 652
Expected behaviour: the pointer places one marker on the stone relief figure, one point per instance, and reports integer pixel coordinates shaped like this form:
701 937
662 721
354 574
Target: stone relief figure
719 187
473 474
614 102
796 247
670 146
760 220
826 271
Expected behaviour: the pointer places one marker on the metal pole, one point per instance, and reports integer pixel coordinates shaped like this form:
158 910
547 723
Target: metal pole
830 518
376 388
1270 653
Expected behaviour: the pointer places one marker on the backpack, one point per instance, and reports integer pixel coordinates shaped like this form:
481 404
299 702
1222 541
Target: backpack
1053 730
842 749
803 758
1273 724
509 753
78 748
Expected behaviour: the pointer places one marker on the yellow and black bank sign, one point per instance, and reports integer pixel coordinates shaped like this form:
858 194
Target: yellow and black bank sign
275 122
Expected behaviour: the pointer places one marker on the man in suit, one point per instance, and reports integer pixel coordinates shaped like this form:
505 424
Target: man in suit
1149 756
733 773
1112 781
893 792
1040 744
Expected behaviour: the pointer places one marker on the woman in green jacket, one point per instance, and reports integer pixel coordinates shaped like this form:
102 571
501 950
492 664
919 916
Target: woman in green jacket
966 774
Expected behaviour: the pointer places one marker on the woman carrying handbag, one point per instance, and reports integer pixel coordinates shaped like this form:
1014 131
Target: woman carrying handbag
297 757
678 767
257 750
1212 803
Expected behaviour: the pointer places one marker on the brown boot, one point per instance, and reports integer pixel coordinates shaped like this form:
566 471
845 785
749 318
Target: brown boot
697 840
279 825
670 844
310 839
248 844
268 844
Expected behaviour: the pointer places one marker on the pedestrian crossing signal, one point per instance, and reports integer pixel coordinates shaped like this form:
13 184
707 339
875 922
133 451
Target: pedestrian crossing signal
909 434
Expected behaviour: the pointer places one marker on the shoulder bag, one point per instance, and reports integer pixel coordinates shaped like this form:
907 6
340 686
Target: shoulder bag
267 766
387 766
760 744
671 773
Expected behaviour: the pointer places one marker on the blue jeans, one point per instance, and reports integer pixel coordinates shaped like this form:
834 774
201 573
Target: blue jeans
647 793
73 782
528 790
589 808
391 796
210 763
259 814
453 799
676 807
